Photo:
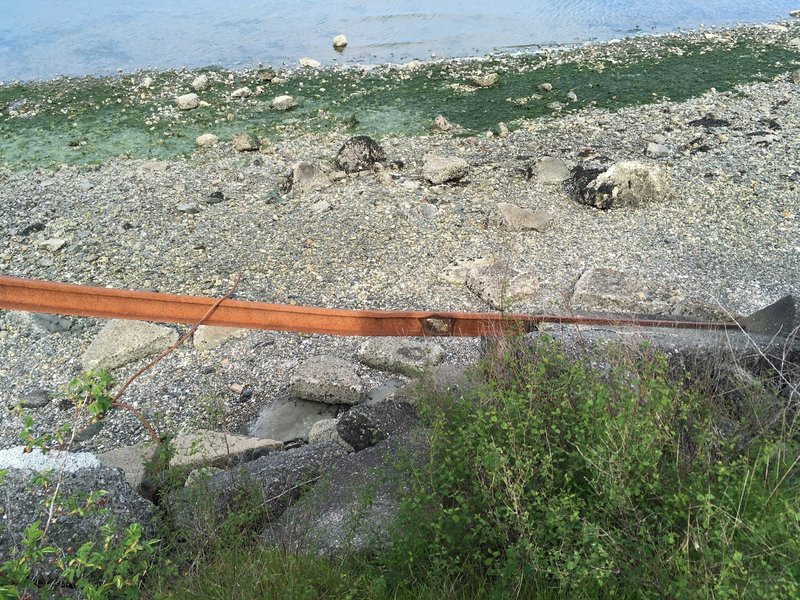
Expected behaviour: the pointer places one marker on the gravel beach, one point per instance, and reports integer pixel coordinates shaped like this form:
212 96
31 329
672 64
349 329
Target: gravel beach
725 234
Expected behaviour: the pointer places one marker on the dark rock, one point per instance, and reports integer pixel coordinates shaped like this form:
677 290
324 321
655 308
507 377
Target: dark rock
52 323
353 507
365 425
359 154
215 197
709 122
89 431
32 228
35 399
280 479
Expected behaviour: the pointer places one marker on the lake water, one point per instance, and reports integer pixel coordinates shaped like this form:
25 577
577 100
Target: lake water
40 39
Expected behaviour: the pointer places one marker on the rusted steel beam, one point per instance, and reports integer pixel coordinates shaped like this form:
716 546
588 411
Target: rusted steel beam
88 301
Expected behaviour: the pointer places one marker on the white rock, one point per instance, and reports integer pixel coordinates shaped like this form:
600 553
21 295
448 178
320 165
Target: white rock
52 244
545 87
208 337
339 42
283 103
200 83
484 81
188 101
309 63
242 92
572 97
320 207
654 150
147 82
207 139
16 458
440 169
794 42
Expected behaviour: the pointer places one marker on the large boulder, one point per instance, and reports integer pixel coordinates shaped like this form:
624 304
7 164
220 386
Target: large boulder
627 183
354 506
279 479
359 154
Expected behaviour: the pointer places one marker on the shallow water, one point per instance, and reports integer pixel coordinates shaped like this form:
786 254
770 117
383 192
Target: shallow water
40 39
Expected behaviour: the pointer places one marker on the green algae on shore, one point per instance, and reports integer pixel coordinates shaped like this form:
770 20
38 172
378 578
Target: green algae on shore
86 121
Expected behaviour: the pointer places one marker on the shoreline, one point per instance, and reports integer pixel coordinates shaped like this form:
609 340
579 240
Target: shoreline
726 232
88 120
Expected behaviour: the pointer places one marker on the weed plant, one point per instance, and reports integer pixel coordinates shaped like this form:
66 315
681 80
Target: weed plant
573 476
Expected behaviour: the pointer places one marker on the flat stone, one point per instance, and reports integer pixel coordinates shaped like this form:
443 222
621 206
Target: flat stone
187 101
406 356
154 165
327 378
458 271
609 290
52 244
190 208
441 169
500 286
208 337
122 342
198 448
320 207
549 169
521 219
35 399
288 419
284 102
16 458
206 139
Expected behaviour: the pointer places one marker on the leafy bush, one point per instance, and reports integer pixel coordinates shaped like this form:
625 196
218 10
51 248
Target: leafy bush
601 477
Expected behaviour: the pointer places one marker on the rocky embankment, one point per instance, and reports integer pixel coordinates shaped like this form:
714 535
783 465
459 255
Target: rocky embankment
689 209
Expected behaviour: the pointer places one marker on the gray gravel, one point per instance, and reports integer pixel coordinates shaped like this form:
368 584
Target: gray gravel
728 233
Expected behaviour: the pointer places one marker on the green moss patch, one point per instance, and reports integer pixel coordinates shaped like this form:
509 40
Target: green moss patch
83 121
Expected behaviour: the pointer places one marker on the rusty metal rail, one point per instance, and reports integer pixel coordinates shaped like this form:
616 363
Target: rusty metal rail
88 301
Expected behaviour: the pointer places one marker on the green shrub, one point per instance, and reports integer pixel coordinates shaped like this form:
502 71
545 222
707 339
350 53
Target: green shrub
600 477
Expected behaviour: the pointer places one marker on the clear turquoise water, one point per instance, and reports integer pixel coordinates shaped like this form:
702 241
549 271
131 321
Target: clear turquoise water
40 39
